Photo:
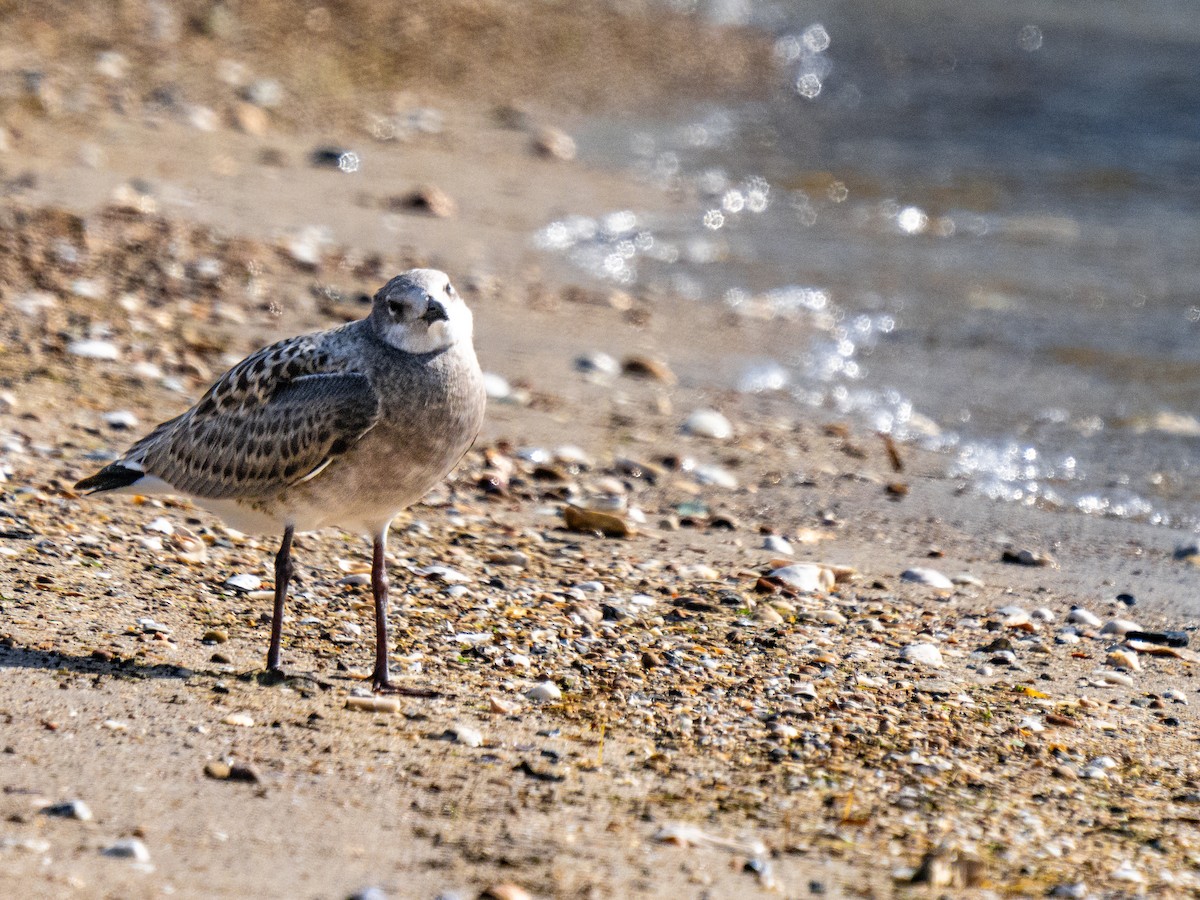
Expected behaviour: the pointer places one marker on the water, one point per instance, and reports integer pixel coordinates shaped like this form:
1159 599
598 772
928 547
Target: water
992 212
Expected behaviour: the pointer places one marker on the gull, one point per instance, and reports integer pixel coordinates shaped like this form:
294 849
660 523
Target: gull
344 427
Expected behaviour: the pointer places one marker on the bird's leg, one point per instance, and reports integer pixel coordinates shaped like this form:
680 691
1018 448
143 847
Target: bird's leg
283 574
379 586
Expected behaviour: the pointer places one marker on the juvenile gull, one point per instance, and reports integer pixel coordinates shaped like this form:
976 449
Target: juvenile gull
344 427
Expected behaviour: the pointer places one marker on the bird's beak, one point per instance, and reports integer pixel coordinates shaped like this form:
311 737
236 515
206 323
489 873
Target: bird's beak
434 312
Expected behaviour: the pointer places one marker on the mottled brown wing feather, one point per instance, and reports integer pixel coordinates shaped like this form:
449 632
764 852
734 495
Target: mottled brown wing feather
270 421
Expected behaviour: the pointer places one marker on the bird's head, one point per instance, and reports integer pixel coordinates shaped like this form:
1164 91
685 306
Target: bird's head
419 311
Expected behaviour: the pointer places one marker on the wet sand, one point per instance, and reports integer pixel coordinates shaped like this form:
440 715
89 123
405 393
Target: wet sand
718 732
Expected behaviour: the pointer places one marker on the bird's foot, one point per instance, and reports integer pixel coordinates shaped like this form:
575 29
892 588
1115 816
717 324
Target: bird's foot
271 677
384 685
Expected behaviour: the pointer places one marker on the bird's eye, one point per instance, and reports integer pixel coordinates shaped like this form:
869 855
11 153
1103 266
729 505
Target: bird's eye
449 290
396 308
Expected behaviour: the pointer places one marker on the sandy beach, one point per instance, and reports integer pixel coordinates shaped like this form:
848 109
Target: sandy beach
775 655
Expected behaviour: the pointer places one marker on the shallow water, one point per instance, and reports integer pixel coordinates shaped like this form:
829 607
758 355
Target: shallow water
994 215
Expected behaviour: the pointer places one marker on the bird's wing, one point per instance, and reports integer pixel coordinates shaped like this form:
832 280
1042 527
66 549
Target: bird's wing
275 419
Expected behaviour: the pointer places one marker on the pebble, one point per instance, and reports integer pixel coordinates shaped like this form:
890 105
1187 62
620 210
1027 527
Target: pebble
1120 627
94 349
120 419
544 691
307 246
69 809
162 525
427 199
597 363
243 582
1028 558
502 706
922 654
264 92
710 424
1116 678
776 544
251 119
496 386
554 143
1076 890
649 368
215 636
829 617
1080 616
505 891
1123 659
931 577
238 720
807 578
128 848
374 704
1175 696
1126 872
465 735
112 65
590 521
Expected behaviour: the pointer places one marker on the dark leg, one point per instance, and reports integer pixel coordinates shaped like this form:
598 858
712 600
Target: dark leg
283 574
379 586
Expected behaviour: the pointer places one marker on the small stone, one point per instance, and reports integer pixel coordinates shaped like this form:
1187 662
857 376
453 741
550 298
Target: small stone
1120 627
651 660
374 704
427 199
69 809
710 424
1123 659
243 582
590 521
544 691
465 735
1080 616
264 92
238 720
1119 678
306 247
203 118
922 654
553 143
496 386
502 706
215 636
94 349
776 544
930 577
1128 873
768 615
251 119
807 578
829 617
649 368
112 65
1028 558
1074 891
1175 697
505 891
597 363
120 419
162 525
128 848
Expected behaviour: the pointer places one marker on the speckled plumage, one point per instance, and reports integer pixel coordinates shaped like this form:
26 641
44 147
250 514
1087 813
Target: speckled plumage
340 428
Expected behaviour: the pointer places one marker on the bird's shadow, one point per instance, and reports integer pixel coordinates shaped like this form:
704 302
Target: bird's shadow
15 657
